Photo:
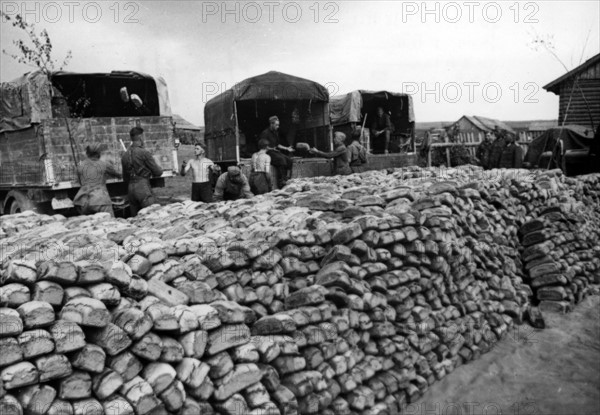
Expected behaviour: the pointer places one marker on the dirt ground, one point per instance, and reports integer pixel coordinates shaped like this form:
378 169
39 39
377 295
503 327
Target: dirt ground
550 371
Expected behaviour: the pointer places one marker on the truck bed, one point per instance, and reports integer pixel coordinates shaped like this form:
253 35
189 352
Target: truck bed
317 166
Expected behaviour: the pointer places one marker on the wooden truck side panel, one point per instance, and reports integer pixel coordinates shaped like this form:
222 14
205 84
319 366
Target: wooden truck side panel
66 140
38 164
20 153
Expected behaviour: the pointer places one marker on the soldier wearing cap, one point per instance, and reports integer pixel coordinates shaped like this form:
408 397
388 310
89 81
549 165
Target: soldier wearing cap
93 195
232 185
282 162
340 155
138 167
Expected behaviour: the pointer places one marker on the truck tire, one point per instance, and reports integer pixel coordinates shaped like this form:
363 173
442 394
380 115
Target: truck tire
18 202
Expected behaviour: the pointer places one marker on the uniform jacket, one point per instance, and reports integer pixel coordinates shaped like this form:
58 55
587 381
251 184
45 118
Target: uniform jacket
138 163
93 175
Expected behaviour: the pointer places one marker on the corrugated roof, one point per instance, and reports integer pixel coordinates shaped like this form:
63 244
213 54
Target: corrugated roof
553 86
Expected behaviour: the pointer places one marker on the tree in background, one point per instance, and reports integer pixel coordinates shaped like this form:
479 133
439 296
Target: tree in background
36 49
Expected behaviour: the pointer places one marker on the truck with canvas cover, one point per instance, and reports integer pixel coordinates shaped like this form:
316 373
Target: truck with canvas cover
358 109
235 118
47 120
572 148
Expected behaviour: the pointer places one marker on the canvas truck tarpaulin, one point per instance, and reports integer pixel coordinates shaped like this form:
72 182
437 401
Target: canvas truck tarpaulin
24 101
271 86
349 108
32 97
573 137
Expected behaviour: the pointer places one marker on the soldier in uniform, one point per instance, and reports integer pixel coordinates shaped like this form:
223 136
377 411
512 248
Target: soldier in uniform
93 195
282 162
340 156
138 167
232 185
483 151
512 154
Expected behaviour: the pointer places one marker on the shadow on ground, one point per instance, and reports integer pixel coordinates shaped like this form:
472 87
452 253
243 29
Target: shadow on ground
550 371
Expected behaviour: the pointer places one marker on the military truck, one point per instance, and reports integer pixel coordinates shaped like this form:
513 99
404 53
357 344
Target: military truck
48 119
235 118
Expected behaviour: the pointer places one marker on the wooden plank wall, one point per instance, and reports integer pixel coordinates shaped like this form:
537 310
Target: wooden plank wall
578 112
66 140
20 153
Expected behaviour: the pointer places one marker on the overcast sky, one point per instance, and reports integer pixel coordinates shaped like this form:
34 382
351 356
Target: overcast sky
456 58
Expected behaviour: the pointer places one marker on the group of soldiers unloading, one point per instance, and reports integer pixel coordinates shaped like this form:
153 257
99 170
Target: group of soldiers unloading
139 167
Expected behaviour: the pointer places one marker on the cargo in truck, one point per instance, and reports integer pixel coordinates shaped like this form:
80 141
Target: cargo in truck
47 120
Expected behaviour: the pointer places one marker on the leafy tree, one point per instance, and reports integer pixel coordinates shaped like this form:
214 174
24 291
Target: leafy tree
36 49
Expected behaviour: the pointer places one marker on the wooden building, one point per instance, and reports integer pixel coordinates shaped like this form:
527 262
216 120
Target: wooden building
476 124
579 92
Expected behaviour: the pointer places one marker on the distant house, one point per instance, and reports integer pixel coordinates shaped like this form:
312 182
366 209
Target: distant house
476 124
422 127
187 132
579 92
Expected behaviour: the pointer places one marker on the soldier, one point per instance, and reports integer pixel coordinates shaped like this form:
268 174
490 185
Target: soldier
357 153
339 154
512 154
382 125
496 149
483 151
260 178
232 185
93 195
138 167
282 162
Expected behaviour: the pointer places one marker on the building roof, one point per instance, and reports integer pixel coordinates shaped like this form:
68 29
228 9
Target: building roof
542 125
184 124
554 85
428 125
487 124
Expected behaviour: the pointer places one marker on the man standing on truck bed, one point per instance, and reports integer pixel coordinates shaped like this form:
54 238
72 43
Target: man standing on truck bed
282 163
381 126
93 195
138 167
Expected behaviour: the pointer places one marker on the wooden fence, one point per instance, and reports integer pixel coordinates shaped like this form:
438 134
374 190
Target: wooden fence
472 140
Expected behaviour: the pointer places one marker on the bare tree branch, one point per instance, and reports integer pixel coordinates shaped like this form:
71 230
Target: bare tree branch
37 52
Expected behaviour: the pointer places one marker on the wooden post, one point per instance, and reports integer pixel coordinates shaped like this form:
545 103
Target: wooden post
429 156
447 151
330 137
367 143
237 134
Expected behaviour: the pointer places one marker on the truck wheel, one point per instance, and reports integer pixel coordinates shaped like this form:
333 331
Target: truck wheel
20 203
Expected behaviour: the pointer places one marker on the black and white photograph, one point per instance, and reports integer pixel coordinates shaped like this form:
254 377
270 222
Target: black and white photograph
303 207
